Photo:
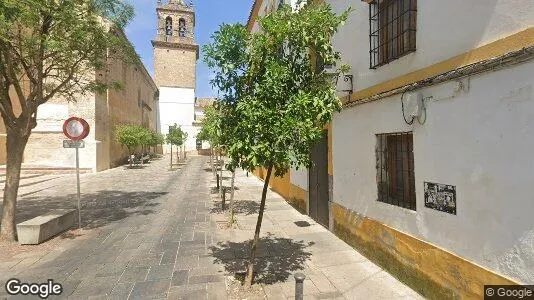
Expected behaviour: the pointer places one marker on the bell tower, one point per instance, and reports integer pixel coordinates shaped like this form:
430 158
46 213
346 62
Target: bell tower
175 60
175 50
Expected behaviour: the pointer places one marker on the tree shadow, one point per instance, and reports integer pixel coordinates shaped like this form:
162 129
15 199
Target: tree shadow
134 167
214 190
276 260
246 207
98 209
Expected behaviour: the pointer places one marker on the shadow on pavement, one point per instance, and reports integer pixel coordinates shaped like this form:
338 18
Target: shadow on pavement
246 207
215 190
276 258
98 209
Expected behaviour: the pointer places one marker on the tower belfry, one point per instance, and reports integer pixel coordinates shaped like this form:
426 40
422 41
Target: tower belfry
175 57
175 50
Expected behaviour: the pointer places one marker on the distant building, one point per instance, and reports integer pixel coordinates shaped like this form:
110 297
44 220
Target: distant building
135 103
175 58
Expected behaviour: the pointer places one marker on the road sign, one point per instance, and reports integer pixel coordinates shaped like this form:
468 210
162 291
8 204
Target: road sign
76 128
73 144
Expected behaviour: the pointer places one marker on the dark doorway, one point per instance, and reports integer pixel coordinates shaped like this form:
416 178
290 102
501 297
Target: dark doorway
318 181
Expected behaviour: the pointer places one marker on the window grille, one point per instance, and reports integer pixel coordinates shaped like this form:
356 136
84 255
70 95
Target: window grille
395 169
392 27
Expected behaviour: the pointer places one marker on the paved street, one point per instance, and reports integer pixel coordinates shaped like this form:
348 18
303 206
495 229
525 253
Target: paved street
155 234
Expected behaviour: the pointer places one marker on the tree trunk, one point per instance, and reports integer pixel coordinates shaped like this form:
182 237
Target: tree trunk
16 142
250 269
213 164
171 156
221 190
232 199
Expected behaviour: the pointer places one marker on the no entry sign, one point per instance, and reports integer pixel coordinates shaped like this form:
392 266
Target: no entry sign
76 128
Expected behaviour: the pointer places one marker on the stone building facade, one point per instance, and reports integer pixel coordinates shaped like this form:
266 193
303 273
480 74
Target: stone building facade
175 58
135 103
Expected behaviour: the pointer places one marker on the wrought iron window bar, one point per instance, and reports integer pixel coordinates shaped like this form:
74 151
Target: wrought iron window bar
395 169
389 36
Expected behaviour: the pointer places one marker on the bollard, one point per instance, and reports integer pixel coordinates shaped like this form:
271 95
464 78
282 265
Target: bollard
299 286
217 181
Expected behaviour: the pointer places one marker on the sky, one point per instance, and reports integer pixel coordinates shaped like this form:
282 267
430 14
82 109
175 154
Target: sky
209 15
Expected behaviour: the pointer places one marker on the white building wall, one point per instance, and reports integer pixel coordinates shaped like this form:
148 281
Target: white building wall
481 141
444 29
177 105
299 177
45 147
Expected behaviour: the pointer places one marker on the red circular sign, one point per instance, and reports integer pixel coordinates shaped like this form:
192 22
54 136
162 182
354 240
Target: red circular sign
76 128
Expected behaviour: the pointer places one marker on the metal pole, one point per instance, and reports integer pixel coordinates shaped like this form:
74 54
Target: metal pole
299 286
78 188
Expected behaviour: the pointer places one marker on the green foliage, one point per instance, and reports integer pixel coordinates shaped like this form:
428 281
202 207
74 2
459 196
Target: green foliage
176 135
132 136
227 56
56 45
210 128
156 139
286 103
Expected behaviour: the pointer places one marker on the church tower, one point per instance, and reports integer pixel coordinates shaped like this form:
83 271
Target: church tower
175 58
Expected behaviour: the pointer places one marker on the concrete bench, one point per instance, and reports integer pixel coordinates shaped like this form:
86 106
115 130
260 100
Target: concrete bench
41 228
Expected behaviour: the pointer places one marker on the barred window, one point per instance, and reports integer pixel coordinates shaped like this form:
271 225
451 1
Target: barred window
395 169
392 26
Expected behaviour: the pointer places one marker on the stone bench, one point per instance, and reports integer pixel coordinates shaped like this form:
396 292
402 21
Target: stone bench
41 228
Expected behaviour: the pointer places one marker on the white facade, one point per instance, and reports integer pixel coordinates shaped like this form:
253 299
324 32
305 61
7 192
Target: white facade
444 29
177 105
478 138
480 141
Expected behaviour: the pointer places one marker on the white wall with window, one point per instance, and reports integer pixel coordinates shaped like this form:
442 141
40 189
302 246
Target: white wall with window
443 29
478 139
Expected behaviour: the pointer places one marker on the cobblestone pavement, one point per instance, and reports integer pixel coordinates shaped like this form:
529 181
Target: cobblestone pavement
292 242
147 238
152 233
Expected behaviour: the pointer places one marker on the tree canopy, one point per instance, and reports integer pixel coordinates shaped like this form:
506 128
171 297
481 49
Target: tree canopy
210 127
287 101
132 136
176 135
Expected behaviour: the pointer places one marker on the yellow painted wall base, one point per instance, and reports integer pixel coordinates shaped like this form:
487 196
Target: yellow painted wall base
294 195
429 270
298 198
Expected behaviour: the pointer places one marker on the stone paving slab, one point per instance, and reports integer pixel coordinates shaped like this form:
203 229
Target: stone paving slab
152 233
334 270
146 230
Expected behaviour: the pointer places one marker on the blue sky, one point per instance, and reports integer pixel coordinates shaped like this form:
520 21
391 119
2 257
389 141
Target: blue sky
209 14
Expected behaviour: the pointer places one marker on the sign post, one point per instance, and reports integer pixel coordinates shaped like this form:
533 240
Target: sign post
76 129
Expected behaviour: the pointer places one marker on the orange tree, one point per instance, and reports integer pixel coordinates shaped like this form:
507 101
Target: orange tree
286 102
